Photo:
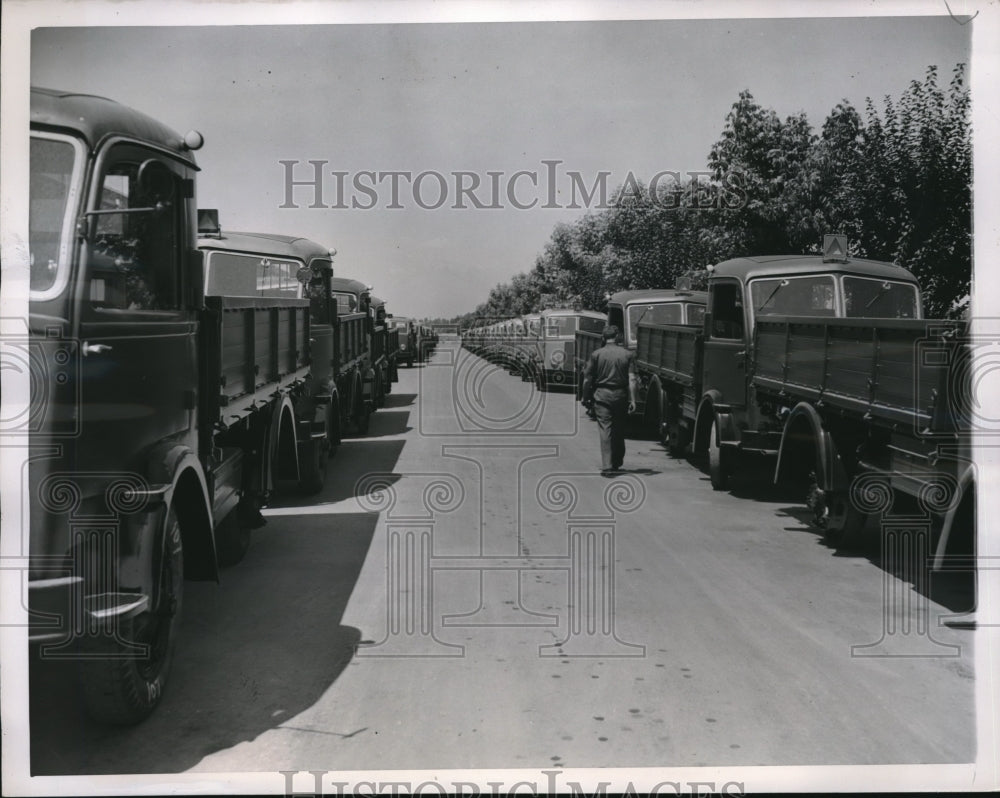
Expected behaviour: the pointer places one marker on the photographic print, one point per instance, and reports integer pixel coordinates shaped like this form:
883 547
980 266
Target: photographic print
498 399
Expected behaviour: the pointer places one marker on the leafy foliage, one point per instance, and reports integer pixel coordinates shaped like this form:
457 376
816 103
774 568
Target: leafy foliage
899 185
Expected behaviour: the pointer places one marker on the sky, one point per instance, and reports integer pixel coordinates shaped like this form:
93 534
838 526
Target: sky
614 96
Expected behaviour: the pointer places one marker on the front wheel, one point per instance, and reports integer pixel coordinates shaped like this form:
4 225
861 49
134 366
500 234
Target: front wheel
126 666
718 473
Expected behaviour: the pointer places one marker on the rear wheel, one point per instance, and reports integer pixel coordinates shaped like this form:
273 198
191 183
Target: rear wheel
842 523
232 540
675 439
653 417
333 433
312 466
362 416
126 666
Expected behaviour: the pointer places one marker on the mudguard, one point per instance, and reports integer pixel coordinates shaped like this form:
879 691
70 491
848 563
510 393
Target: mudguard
805 422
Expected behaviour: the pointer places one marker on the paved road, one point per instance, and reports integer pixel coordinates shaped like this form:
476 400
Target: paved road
468 592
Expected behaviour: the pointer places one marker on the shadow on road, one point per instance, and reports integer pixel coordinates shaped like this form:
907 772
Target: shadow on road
387 422
253 652
395 400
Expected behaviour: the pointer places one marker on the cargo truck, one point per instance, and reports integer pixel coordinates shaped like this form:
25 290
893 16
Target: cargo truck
163 417
824 364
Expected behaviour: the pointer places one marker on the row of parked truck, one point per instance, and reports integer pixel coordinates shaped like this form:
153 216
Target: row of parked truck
181 375
820 369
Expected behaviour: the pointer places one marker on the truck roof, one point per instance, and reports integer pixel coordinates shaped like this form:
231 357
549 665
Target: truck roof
267 244
346 284
658 295
569 312
768 265
98 118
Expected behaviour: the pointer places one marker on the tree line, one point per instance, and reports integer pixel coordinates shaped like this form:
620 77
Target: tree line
897 182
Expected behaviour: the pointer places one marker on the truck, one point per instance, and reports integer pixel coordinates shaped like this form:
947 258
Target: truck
824 366
354 369
552 351
406 341
164 417
385 351
626 309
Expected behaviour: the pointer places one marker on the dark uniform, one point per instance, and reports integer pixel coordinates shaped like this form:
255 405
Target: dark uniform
607 385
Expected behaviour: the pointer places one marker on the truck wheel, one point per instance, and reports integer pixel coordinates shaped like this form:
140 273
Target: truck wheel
717 472
312 467
232 540
333 433
843 524
652 421
377 396
120 685
674 438
362 418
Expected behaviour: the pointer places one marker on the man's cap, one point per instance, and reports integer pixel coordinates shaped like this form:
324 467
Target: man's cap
610 331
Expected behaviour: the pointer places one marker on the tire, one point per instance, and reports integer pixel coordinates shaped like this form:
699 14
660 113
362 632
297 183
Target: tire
676 446
377 395
333 431
232 540
119 685
843 524
362 417
653 417
718 474
312 467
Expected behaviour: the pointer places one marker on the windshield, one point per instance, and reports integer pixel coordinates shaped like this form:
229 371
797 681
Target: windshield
659 313
879 299
560 325
235 274
591 324
695 314
55 168
793 296
346 303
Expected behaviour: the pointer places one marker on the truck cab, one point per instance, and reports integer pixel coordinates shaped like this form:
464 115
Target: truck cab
114 302
626 310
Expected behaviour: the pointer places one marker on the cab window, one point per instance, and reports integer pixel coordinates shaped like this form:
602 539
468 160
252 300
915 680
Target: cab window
135 258
727 311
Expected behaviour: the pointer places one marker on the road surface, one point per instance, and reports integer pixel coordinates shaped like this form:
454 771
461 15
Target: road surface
468 592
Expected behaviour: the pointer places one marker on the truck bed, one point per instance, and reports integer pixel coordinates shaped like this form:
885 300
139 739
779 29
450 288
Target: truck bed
254 345
894 371
671 351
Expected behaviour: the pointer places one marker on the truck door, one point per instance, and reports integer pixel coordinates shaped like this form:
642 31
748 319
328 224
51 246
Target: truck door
725 343
139 357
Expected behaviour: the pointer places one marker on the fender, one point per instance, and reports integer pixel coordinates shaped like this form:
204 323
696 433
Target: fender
177 480
284 406
805 422
966 482
709 408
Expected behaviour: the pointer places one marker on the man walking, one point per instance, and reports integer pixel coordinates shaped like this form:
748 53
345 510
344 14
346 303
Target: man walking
610 386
